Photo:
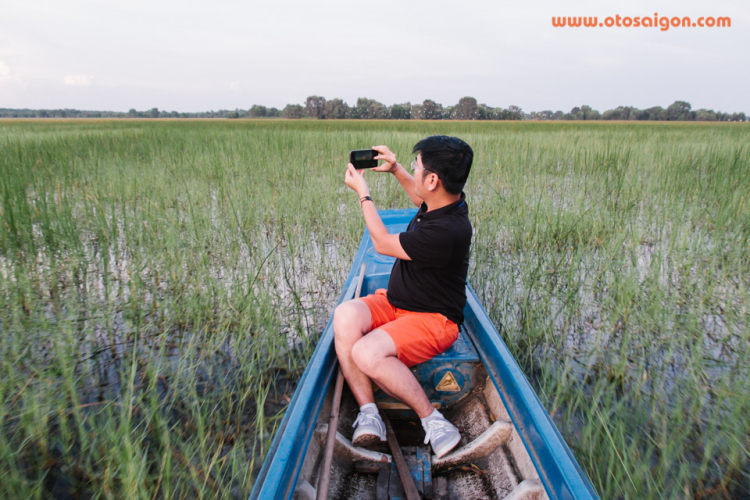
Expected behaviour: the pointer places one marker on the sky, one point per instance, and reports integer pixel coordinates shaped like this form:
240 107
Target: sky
198 56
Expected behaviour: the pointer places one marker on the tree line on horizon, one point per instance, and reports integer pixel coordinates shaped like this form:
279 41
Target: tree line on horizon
467 108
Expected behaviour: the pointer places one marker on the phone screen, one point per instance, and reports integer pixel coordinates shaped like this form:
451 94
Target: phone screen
363 158
363 155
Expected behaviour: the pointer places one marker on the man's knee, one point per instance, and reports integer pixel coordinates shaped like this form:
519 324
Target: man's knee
369 352
363 357
348 323
342 320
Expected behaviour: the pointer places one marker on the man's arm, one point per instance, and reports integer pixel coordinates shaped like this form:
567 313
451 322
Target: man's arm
384 242
407 183
391 165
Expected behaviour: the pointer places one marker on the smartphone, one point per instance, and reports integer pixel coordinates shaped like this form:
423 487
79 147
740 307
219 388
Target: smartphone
363 158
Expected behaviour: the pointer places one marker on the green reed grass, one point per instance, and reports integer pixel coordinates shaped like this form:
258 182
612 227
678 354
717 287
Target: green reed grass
162 285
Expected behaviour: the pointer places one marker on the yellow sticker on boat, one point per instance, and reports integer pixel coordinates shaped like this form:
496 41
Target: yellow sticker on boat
448 383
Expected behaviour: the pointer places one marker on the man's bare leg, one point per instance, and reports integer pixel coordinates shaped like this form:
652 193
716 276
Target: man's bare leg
375 356
351 321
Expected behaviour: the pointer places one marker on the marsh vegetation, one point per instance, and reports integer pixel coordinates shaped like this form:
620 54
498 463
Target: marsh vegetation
162 285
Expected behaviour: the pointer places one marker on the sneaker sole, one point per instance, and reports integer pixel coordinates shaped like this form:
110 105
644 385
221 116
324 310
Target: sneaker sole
448 448
366 440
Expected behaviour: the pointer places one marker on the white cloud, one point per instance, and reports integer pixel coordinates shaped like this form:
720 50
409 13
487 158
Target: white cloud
5 72
235 86
8 77
78 80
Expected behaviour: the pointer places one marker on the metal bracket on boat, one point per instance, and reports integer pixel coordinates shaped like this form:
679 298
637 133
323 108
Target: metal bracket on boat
345 447
496 435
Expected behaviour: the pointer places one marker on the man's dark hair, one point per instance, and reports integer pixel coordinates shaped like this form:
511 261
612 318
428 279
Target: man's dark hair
449 157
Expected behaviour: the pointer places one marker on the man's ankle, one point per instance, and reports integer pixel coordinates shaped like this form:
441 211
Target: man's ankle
435 414
370 408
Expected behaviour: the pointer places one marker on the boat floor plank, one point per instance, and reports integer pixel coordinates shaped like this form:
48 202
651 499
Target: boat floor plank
415 466
358 486
383 484
423 458
395 488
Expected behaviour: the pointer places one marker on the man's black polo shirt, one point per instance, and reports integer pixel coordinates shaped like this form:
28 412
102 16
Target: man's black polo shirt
435 279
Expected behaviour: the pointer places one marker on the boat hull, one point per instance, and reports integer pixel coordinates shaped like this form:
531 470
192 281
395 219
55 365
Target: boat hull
540 462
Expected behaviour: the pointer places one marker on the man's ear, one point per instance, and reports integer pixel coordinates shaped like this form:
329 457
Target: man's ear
434 182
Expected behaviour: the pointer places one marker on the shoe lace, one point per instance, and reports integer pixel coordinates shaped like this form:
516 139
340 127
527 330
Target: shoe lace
436 429
367 419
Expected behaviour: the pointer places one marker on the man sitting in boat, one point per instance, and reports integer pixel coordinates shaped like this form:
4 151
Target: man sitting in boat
380 336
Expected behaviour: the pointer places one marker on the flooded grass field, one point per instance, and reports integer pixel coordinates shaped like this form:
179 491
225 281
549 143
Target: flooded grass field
163 283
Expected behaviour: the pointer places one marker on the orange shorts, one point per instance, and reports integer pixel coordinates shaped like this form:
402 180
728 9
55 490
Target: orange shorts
418 336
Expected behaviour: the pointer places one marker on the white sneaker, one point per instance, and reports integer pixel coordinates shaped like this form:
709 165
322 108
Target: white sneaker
442 435
370 429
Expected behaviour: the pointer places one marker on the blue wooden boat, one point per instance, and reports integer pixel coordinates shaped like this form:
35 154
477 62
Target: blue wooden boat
510 448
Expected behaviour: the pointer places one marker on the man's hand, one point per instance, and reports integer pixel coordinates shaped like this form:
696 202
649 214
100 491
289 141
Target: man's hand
388 157
356 181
